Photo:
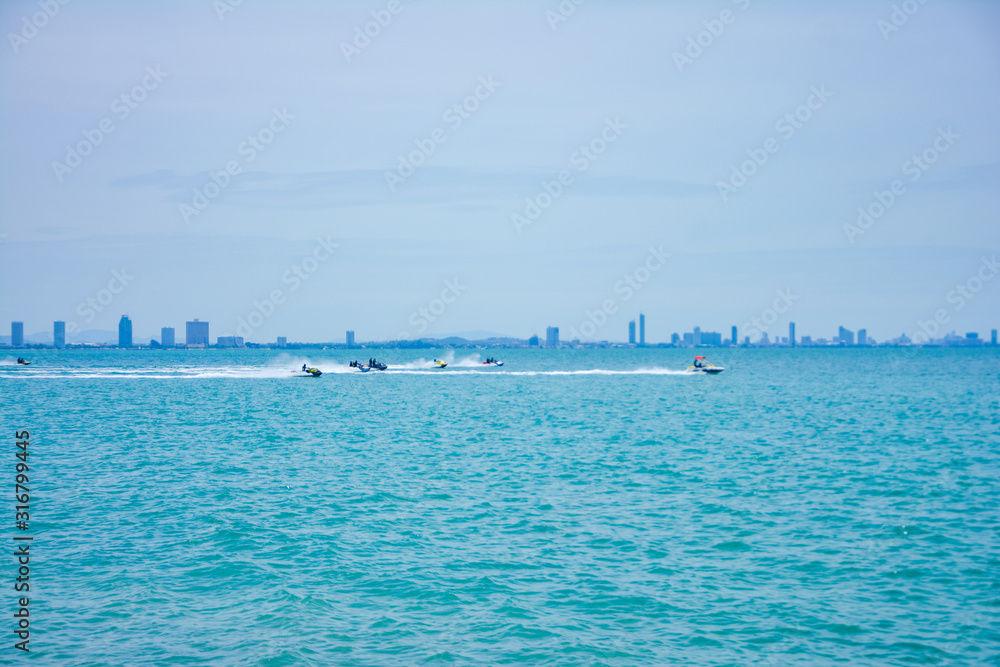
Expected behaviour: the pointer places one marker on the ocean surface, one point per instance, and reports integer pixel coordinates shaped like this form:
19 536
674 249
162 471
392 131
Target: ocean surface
574 507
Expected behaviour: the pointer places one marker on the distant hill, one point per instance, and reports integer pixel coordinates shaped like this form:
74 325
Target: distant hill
471 335
93 336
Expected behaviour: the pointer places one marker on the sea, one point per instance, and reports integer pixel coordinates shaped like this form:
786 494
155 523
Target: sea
807 506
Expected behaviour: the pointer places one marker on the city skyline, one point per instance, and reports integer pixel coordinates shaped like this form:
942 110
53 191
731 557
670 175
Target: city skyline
198 335
442 179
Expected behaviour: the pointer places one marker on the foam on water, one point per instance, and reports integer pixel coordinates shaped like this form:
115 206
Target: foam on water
420 367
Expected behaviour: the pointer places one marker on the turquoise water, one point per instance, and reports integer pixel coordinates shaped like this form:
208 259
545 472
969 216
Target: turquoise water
571 508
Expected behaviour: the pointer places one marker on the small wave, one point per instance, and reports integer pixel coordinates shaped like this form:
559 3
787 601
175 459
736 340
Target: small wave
462 368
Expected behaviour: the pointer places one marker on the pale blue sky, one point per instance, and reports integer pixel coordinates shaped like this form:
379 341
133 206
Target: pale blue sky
680 131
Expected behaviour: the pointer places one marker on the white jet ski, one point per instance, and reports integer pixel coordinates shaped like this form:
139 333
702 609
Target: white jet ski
701 367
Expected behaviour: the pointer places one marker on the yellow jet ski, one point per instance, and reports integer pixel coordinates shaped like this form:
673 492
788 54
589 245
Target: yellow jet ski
440 364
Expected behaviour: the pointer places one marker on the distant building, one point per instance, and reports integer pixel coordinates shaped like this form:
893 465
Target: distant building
552 337
282 341
124 332
167 337
631 332
862 336
845 336
642 329
735 339
196 333
806 340
675 339
746 340
791 334
350 339
17 334
533 341
230 341
993 337
711 338
59 334
764 340
696 336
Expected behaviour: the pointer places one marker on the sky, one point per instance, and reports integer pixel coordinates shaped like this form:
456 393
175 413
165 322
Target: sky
408 169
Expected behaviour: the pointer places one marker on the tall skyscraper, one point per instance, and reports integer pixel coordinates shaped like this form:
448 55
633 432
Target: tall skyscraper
59 334
350 339
735 342
17 334
631 332
196 333
642 329
282 341
862 336
167 337
791 334
552 337
845 336
993 336
124 332
696 336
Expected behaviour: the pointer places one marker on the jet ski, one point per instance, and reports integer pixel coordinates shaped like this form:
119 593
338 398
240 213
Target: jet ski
493 362
440 364
709 369
312 372
363 369
379 366
23 362
701 367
